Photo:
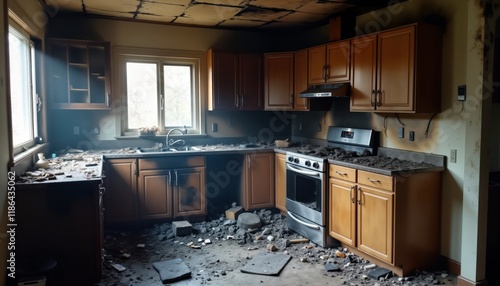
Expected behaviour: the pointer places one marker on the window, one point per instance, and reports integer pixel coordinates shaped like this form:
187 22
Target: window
162 91
22 89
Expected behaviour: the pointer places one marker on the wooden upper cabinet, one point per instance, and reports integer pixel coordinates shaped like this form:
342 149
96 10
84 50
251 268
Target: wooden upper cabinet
398 70
300 81
329 63
78 74
235 81
278 83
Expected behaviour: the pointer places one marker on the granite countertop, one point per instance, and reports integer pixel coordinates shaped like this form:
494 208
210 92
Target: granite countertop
77 165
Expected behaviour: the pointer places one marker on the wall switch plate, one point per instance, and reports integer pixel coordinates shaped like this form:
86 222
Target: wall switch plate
401 132
76 130
411 134
453 156
214 127
462 91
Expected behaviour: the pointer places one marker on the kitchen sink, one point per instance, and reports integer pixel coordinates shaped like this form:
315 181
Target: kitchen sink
168 150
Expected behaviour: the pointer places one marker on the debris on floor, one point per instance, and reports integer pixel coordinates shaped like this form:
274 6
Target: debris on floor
216 249
266 263
172 270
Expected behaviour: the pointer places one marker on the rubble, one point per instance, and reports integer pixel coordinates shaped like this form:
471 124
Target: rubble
162 245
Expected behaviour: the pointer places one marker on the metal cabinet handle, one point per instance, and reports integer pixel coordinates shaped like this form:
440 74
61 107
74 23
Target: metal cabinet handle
176 179
310 225
359 200
327 72
341 173
249 161
378 98
242 102
102 190
351 195
169 178
372 102
237 100
373 180
134 168
108 102
291 100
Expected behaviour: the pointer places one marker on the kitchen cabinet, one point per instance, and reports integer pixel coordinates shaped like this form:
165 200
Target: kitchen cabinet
235 81
257 190
280 181
397 70
61 221
392 220
78 74
285 78
329 63
120 199
172 187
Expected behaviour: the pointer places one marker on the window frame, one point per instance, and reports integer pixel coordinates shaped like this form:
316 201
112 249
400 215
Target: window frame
34 100
196 59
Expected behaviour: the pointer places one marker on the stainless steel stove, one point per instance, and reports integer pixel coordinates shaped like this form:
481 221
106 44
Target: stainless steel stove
307 177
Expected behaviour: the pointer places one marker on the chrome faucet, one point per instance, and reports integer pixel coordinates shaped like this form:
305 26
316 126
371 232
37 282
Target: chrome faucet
170 142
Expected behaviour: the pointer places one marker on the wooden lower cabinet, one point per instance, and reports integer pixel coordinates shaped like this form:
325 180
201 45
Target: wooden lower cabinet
189 192
257 189
155 194
280 181
120 199
394 221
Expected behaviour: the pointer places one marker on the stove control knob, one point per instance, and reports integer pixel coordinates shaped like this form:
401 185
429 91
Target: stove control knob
316 165
296 160
290 159
308 163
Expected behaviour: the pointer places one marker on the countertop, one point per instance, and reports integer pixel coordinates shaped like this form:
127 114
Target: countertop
76 165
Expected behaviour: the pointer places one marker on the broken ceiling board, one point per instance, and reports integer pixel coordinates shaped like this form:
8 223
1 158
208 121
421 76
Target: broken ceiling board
260 14
129 14
210 12
241 23
290 5
184 3
155 18
266 263
197 22
300 17
282 25
122 6
165 11
324 7
235 3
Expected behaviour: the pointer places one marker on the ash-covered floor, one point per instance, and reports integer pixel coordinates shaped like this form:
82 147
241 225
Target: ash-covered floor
217 250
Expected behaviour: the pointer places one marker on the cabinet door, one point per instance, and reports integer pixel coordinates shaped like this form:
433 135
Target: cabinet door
342 211
251 76
189 192
278 83
155 194
363 70
280 181
300 81
316 65
258 191
120 199
223 79
396 68
338 61
375 218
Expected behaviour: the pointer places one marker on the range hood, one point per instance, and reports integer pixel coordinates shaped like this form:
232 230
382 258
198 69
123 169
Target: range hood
326 90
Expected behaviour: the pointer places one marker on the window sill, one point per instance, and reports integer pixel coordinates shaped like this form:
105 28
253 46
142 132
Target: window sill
28 153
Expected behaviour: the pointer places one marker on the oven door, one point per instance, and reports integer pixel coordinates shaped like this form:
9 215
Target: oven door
305 193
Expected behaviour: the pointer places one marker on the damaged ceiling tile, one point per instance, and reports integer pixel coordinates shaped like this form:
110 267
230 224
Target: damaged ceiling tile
102 7
280 4
160 11
229 3
241 23
210 12
260 14
324 7
193 21
301 17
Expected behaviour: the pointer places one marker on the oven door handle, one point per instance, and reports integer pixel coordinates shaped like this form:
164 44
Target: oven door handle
303 172
309 225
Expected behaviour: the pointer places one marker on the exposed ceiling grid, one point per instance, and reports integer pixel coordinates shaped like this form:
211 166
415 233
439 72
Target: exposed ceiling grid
268 14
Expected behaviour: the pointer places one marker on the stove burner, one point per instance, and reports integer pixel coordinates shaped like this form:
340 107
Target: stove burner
330 152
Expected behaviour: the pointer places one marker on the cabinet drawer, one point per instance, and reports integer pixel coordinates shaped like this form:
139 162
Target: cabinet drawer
343 173
375 180
170 162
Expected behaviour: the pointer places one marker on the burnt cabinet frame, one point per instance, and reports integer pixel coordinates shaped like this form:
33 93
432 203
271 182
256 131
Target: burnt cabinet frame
78 74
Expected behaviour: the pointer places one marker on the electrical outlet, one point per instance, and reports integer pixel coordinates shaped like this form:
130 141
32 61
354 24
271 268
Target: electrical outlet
401 132
319 127
453 156
76 130
214 127
411 134
461 92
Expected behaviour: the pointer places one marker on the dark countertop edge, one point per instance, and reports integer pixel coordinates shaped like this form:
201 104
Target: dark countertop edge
386 171
189 153
63 179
